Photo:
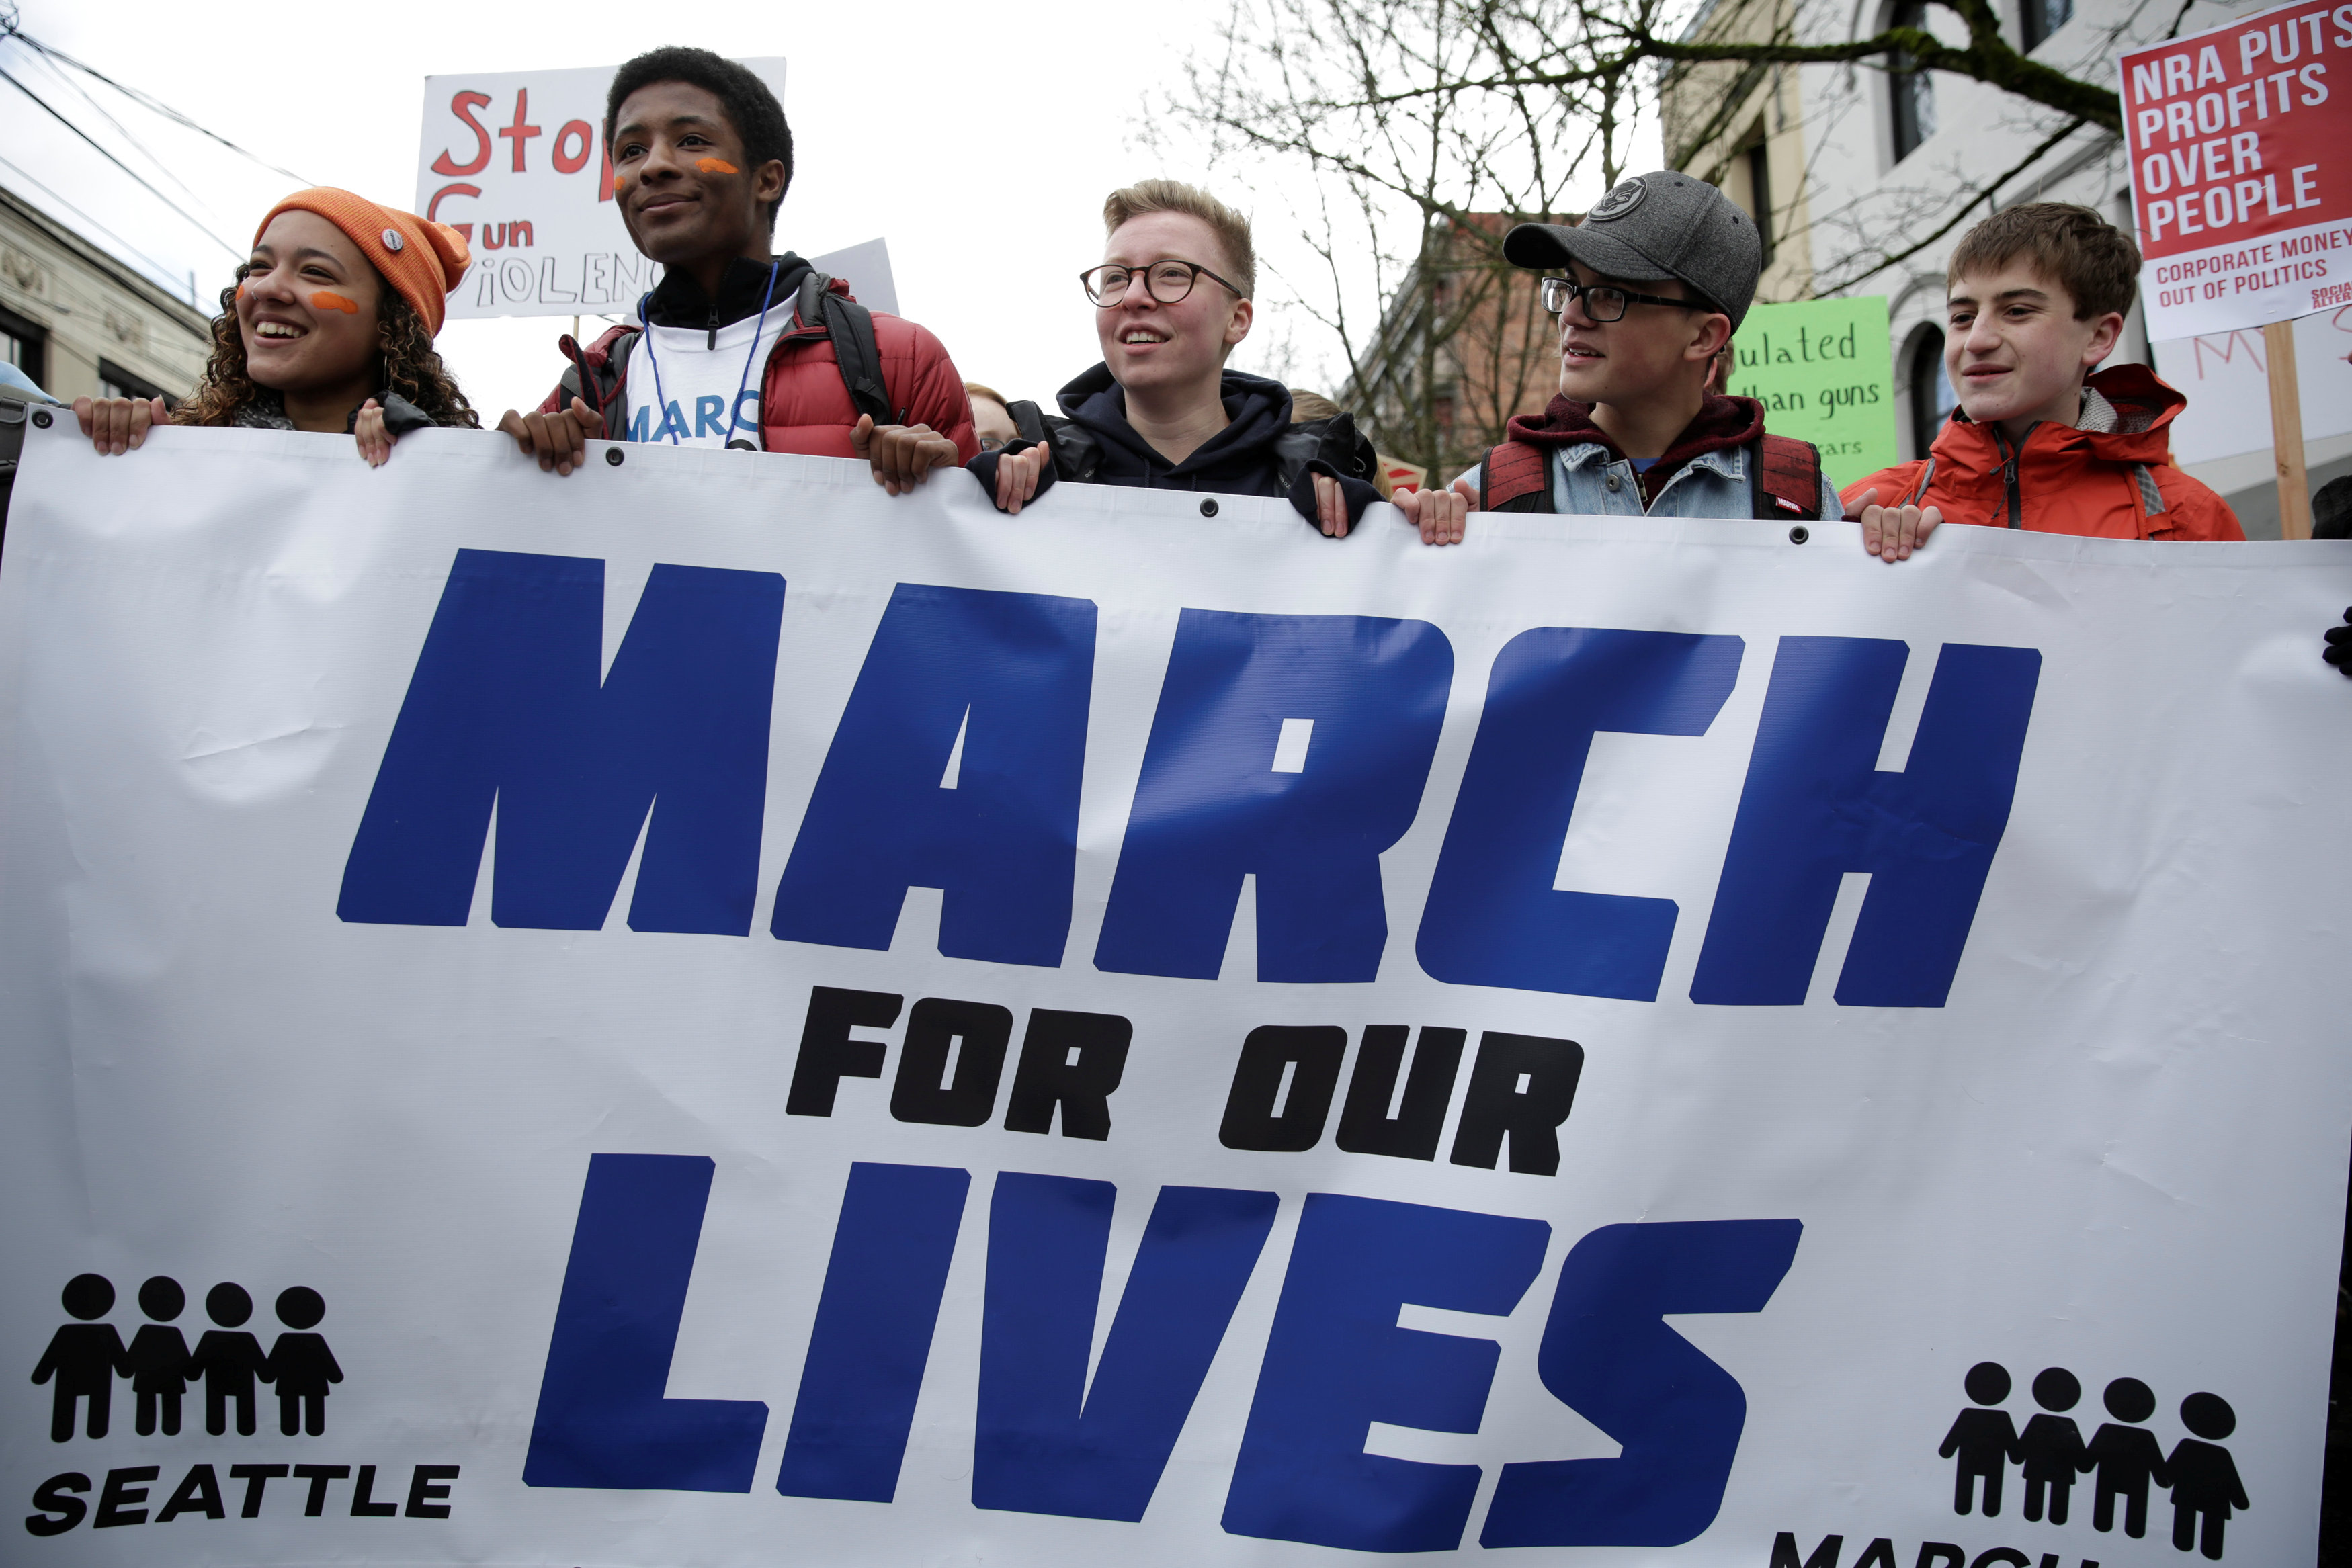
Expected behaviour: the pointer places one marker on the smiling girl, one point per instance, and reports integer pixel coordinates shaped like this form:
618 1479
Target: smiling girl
329 328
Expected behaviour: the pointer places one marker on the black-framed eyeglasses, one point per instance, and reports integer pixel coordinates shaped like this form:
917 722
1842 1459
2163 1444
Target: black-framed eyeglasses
996 442
1166 281
1606 301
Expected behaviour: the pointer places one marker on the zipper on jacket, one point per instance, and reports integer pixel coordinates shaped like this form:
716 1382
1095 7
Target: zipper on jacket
2012 491
711 344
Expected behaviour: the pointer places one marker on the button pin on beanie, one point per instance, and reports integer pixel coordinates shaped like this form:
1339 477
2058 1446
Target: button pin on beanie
392 241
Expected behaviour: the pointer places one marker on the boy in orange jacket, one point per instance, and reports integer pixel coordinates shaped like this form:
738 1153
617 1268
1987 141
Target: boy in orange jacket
2035 298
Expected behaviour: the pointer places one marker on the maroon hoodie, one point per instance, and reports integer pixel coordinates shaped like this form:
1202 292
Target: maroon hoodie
1721 422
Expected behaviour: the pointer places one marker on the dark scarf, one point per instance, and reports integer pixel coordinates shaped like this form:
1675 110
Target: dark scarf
266 411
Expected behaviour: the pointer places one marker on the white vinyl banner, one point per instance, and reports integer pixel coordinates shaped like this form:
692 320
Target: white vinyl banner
698 1013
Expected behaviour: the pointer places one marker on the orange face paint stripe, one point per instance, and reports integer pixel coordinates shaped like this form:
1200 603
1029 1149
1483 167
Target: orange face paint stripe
716 166
326 300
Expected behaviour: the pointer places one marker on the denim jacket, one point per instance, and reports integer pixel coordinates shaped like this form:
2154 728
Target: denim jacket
1585 480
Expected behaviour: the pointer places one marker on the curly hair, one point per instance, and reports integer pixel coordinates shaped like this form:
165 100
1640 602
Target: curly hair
412 366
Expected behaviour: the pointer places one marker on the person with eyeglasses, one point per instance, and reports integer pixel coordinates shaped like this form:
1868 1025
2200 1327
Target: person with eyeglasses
991 417
1172 298
1647 290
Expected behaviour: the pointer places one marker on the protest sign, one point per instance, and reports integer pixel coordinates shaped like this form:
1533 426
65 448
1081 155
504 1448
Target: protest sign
1824 372
516 161
2225 377
636 1018
2235 137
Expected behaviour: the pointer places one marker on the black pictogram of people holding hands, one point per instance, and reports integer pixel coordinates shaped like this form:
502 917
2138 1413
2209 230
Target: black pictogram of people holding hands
86 1356
2126 1457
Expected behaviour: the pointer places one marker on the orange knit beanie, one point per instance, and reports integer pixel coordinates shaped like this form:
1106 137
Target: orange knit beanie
422 261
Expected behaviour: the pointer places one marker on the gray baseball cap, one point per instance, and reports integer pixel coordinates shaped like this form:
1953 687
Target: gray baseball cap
1656 226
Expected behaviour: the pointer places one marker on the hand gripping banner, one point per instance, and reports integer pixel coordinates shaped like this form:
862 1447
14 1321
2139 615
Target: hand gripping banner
698 1012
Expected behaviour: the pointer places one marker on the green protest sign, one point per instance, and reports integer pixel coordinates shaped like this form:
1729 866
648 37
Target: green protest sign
1824 373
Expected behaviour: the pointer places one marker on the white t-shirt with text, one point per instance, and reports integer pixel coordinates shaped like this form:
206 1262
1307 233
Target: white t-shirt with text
698 382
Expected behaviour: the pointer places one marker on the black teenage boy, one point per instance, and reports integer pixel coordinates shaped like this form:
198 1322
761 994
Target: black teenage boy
702 157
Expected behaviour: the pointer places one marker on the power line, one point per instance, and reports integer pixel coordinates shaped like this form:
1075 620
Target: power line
28 178
9 27
109 157
124 131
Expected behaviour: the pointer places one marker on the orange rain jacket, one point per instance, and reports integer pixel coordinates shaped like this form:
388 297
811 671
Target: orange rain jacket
2116 482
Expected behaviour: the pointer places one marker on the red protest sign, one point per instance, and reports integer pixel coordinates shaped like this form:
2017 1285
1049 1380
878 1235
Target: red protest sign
2244 216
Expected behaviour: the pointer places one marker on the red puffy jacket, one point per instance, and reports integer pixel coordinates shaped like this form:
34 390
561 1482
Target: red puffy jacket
803 406
2113 483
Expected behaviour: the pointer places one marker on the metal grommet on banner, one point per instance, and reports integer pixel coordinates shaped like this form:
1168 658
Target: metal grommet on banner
41 417
612 456
1800 534
1208 508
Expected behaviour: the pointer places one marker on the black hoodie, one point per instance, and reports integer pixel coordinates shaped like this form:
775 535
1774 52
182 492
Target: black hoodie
1260 452
743 290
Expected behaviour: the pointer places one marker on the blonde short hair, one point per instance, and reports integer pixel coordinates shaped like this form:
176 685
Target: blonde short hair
1232 229
974 389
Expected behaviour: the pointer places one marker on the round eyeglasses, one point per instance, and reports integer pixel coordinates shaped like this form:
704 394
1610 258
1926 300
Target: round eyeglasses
1605 302
1166 281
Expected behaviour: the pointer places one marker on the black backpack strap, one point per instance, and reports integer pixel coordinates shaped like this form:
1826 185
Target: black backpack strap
1029 420
600 390
1078 455
1294 449
851 327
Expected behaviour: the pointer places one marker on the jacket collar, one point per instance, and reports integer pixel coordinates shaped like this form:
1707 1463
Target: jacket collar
1259 410
678 301
1722 425
2135 408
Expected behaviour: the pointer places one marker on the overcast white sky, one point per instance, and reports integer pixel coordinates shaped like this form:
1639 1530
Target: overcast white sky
979 140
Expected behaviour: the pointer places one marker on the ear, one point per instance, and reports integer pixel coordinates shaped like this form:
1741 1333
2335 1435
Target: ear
1244 312
2105 333
1714 331
767 183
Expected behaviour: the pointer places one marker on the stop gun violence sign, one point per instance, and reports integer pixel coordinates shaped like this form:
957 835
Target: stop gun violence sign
2244 216
516 162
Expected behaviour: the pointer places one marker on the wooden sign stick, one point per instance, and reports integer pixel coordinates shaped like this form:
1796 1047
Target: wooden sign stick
2286 432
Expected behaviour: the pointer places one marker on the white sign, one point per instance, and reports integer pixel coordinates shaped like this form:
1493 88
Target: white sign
516 161
2225 377
639 1017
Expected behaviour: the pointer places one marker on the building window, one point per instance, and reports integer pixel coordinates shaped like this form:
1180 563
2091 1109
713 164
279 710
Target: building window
114 381
1759 196
22 345
1913 91
2040 18
1932 399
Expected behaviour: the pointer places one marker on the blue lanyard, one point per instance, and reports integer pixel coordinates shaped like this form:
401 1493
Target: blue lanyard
741 381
